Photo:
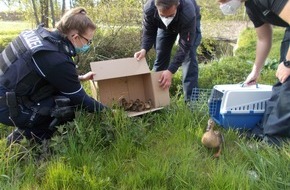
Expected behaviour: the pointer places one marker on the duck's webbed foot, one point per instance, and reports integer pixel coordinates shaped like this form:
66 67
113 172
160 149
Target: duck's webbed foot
217 155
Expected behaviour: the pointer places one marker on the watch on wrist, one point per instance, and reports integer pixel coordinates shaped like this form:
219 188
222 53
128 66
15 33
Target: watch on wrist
287 63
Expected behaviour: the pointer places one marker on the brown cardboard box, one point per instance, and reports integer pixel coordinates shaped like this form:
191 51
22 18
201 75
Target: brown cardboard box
130 79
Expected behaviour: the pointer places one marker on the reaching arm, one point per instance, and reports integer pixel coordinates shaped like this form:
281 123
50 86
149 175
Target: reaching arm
88 76
285 13
264 44
263 47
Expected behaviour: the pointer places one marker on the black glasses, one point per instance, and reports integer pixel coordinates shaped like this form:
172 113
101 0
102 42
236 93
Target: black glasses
89 42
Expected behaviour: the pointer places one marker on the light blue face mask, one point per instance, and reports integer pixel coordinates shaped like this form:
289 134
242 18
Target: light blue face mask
83 49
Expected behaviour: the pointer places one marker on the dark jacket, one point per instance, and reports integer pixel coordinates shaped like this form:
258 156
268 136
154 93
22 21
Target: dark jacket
266 11
38 64
184 24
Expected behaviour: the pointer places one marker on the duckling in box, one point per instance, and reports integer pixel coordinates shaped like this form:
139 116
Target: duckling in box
212 139
136 105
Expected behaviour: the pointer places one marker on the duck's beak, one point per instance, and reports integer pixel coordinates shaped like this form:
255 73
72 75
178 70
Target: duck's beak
208 127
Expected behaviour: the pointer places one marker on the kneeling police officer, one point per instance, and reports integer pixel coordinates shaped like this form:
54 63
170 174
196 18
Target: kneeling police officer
39 84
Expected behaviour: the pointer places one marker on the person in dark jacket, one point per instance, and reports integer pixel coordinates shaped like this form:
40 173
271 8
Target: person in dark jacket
163 21
275 126
39 84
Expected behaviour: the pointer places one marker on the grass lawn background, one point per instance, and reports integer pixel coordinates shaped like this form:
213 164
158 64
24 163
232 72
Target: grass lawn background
161 150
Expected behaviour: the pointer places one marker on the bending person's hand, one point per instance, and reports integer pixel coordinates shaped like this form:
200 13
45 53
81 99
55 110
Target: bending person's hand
140 54
87 76
165 79
252 78
282 73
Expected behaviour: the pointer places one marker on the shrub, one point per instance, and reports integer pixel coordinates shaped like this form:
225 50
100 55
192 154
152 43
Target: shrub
10 30
6 38
247 44
111 43
206 51
228 70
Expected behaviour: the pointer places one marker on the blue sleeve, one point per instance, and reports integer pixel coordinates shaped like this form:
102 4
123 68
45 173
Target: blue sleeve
83 101
149 26
60 72
190 27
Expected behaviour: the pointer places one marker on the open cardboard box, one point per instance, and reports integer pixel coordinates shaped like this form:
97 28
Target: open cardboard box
130 79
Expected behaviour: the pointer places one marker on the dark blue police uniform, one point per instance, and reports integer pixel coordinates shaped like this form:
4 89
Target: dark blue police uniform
39 85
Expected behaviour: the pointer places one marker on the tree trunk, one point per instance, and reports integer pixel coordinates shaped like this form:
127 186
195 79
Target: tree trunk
44 12
63 7
35 12
52 13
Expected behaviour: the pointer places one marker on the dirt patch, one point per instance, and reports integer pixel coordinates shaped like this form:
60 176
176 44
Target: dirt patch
226 30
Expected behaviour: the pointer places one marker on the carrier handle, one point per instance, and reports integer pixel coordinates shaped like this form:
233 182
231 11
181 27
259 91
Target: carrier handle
243 85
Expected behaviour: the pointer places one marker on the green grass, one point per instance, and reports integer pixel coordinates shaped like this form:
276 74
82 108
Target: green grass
8 26
11 29
160 150
157 151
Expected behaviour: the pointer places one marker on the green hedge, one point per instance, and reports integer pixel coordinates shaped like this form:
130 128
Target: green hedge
113 43
5 39
10 30
247 45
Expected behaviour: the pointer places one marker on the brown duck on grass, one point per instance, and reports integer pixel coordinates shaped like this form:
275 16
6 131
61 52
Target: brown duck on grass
212 139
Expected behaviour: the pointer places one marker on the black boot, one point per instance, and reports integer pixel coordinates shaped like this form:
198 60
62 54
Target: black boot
275 140
15 137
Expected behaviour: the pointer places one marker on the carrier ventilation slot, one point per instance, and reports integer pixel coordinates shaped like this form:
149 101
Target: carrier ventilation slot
255 106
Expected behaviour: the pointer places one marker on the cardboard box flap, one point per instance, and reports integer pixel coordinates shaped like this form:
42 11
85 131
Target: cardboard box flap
160 96
119 68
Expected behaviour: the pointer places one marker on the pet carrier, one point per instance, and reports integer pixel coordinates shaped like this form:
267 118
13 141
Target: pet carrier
235 106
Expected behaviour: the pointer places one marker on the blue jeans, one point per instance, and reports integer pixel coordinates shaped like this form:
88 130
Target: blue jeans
164 43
